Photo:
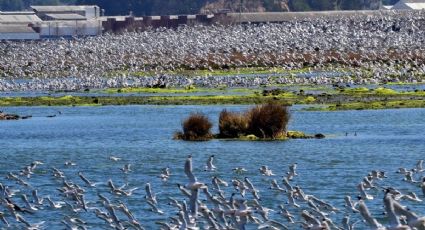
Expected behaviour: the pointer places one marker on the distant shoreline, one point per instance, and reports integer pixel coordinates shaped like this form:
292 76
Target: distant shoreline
316 98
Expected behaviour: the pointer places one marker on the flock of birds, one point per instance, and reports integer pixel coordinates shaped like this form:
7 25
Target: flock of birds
386 46
218 204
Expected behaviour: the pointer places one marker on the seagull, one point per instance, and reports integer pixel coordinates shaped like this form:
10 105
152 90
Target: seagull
217 182
411 196
285 213
112 158
323 204
154 208
150 196
346 223
72 226
292 171
74 220
124 209
126 169
272 224
210 166
264 170
3 219
413 220
419 166
27 171
37 200
243 210
103 215
57 173
53 204
402 170
251 188
239 170
175 203
364 212
299 194
165 174
377 174
240 186
34 164
291 199
120 190
287 185
70 163
276 186
193 186
408 177
14 177
393 219
367 183
363 193
349 205
28 205
263 211
87 181
29 226
165 225
312 222
209 217
73 208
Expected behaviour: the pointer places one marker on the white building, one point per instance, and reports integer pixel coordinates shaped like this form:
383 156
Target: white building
18 17
88 12
409 5
18 25
69 28
17 32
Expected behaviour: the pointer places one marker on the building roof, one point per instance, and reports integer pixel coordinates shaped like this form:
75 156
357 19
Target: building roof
61 8
409 5
66 16
17 12
16 29
18 17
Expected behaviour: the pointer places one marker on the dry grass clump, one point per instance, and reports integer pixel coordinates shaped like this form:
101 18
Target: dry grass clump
232 125
264 121
268 121
197 127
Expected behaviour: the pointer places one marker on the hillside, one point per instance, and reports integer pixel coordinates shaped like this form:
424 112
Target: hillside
246 6
166 7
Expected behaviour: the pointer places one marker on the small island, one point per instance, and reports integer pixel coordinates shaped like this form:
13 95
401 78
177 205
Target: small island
7 116
262 122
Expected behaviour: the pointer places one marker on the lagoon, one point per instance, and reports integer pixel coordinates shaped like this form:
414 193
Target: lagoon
142 136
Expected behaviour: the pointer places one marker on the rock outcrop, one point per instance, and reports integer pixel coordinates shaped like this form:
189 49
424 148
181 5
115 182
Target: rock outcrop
5 116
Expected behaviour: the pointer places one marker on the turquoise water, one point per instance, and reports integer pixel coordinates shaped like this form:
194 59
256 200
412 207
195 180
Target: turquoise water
142 136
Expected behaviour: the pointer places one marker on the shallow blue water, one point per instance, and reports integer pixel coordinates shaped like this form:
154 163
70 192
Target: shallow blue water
142 135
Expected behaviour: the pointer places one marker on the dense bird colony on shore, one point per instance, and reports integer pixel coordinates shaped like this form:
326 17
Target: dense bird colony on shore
78 202
388 46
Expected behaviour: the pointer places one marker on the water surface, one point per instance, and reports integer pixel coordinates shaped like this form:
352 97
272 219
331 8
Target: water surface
142 136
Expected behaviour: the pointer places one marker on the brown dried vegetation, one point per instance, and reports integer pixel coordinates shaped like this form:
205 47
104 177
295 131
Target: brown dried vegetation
197 127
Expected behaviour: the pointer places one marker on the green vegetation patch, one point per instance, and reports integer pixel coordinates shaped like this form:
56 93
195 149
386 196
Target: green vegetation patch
143 100
289 135
187 90
384 91
152 90
396 104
